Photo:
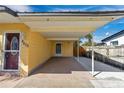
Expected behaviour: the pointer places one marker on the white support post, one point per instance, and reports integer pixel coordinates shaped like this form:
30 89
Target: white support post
78 49
92 55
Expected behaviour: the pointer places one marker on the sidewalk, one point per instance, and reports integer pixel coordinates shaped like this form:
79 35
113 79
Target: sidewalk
9 81
106 75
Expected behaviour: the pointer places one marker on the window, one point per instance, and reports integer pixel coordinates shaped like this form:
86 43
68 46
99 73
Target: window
114 43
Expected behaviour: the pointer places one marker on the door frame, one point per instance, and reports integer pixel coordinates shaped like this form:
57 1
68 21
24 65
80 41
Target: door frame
3 48
61 49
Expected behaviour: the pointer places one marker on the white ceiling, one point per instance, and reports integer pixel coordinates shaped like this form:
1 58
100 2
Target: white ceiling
49 24
59 26
64 26
45 22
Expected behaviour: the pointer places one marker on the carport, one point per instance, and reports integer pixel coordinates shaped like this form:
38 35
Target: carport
66 26
52 27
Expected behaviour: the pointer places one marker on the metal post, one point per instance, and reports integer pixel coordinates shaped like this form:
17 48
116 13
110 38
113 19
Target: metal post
92 56
78 49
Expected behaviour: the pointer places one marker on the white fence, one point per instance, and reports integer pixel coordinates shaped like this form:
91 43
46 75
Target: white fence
107 54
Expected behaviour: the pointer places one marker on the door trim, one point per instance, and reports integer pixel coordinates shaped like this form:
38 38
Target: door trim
3 42
58 55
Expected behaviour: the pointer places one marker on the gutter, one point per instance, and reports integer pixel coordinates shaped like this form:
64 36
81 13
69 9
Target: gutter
96 13
69 13
8 10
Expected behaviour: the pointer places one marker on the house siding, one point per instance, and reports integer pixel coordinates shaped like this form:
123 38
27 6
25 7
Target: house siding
119 39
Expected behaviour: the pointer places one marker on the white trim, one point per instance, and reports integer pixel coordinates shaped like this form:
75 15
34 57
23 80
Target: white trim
93 62
78 49
58 55
11 50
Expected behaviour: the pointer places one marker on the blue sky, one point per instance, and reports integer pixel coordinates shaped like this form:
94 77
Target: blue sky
54 8
50 8
107 30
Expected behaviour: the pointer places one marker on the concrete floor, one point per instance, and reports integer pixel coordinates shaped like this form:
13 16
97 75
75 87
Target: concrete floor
106 76
68 73
56 73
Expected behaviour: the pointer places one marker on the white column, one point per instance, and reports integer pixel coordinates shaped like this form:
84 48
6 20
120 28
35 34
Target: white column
92 55
78 48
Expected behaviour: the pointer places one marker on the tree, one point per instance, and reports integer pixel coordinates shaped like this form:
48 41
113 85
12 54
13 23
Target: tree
89 37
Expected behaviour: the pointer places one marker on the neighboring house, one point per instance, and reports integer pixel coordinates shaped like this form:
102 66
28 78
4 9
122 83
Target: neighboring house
100 44
29 39
116 39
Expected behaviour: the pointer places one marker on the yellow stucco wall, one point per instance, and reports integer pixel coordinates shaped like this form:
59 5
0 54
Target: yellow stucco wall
39 51
67 48
35 48
17 27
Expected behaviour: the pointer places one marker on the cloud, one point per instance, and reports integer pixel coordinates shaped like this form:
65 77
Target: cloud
26 8
66 10
107 8
88 8
121 22
106 27
72 9
107 33
20 8
97 38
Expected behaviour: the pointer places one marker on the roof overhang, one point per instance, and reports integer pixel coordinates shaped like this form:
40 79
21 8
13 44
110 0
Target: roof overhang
121 33
61 25
7 10
64 26
8 16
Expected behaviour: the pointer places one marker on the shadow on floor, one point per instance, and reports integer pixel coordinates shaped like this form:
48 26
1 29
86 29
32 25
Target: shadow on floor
114 61
60 65
64 65
98 66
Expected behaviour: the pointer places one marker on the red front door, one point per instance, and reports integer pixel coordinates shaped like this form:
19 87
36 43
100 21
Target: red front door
11 51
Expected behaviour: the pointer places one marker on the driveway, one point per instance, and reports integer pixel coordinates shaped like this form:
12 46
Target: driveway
68 73
106 76
58 73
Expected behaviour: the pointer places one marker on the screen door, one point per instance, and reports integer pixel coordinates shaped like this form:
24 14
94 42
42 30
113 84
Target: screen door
11 49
